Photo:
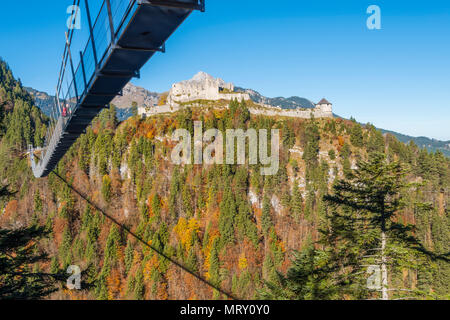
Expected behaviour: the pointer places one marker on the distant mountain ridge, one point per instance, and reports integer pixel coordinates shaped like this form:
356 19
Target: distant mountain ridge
285 103
430 144
423 142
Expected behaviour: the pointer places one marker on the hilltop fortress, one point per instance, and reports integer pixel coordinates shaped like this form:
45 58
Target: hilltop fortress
204 87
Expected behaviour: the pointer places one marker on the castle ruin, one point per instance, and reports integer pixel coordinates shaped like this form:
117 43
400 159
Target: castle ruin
204 87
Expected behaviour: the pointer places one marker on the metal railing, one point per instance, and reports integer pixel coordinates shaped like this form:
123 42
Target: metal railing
74 80
79 68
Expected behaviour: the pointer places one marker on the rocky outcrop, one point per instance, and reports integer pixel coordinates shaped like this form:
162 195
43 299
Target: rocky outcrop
42 100
141 96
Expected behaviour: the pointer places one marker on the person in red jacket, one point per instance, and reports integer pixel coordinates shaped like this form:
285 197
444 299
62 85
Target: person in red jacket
64 111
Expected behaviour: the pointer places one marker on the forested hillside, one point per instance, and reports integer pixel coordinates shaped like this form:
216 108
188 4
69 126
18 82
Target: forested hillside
424 142
21 124
228 223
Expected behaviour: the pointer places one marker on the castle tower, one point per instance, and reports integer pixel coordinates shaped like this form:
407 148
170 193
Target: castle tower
325 106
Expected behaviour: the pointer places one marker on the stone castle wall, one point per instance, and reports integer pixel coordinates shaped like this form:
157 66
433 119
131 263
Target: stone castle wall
292 113
148 112
265 110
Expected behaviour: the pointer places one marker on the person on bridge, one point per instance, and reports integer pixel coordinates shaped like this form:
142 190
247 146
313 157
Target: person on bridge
64 111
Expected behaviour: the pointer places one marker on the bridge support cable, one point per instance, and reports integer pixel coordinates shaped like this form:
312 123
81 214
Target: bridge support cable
145 243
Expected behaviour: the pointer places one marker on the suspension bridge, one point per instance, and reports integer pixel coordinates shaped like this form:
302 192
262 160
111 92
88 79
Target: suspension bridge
124 35
122 38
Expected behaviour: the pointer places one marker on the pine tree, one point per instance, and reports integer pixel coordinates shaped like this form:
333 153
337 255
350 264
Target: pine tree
312 137
37 202
173 193
269 272
364 210
375 142
356 136
297 201
111 250
244 114
346 151
306 279
192 260
106 188
18 253
65 252
347 168
266 218
214 263
156 206
228 213
332 154
360 229
129 256
139 288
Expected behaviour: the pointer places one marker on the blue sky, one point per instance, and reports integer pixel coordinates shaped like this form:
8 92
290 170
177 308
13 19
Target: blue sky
397 78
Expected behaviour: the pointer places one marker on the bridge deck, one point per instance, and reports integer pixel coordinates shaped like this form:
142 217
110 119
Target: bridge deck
134 37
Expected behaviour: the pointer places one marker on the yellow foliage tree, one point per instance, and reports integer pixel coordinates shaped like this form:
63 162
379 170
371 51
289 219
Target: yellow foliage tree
185 229
149 266
243 263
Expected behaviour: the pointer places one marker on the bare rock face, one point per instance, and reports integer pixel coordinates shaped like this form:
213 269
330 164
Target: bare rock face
141 96
203 87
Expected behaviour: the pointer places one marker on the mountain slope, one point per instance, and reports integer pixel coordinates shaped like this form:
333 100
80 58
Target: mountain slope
228 223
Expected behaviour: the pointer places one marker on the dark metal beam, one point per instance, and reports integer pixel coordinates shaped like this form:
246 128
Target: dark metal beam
103 94
118 74
162 49
173 4
92 106
84 71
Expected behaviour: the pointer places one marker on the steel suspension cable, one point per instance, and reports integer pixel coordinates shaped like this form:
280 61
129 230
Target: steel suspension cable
126 229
